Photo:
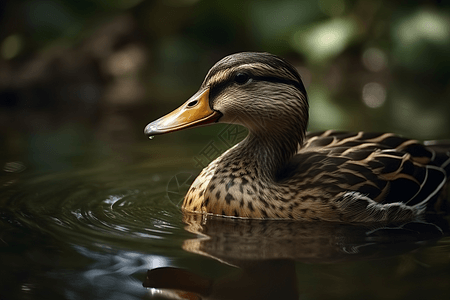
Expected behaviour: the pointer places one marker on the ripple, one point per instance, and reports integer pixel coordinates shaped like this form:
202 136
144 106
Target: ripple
86 210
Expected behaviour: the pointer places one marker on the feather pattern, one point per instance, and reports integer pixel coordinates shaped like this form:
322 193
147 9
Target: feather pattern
335 176
279 171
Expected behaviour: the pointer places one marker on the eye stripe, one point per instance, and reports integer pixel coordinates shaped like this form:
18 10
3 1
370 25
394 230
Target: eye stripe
298 85
218 87
260 67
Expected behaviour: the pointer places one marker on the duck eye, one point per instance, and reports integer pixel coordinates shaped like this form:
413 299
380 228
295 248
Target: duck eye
241 78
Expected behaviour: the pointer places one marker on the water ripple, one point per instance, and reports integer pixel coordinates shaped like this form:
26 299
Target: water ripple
90 211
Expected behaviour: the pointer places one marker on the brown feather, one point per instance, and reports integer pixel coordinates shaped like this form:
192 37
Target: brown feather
281 172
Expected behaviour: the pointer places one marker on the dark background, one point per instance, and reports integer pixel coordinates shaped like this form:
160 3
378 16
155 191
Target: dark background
73 73
85 208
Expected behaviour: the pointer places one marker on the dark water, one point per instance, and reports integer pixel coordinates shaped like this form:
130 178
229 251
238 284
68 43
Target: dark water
110 223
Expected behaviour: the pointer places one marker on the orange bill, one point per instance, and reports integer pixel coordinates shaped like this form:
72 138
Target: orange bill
194 112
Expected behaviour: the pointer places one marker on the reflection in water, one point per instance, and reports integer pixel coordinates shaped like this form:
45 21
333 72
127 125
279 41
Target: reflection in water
271 279
265 253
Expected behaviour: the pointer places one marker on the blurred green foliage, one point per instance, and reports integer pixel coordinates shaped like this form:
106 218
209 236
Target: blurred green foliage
113 66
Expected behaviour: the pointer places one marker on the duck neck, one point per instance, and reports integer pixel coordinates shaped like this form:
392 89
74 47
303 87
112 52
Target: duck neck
268 153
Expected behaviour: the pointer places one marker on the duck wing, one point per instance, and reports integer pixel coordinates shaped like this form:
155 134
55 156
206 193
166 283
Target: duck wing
381 166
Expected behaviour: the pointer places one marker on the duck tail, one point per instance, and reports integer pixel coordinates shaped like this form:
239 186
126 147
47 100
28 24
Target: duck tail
441 158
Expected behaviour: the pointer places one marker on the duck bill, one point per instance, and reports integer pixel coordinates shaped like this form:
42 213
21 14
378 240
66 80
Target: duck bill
194 112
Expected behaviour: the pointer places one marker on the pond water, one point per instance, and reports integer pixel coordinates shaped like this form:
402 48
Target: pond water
108 225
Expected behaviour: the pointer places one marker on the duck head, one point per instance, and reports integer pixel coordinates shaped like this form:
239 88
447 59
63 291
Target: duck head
261 91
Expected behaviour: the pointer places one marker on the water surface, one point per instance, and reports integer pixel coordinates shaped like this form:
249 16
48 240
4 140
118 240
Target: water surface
109 222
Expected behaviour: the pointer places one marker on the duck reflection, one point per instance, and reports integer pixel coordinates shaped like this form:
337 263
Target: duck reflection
265 253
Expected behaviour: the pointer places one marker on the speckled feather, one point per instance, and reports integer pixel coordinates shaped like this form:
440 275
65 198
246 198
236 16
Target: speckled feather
336 176
280 172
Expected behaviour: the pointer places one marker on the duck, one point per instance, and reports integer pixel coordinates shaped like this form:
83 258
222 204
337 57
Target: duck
281 171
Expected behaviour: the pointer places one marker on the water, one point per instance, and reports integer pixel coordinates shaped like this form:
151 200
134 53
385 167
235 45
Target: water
106 226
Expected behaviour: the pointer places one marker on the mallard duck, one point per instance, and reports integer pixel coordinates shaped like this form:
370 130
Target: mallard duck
279 171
